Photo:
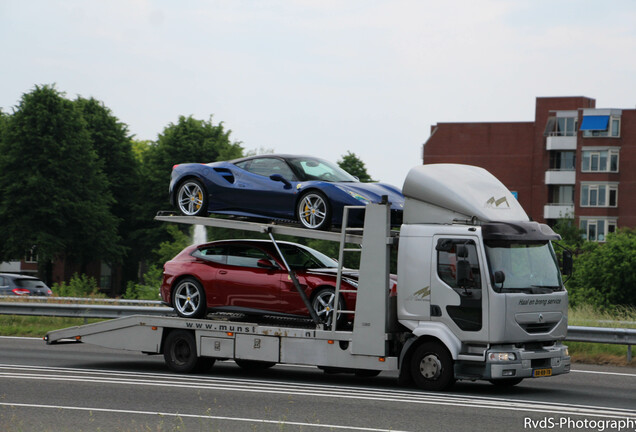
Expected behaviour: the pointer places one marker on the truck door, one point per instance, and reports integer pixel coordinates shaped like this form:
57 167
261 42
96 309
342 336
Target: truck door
458 287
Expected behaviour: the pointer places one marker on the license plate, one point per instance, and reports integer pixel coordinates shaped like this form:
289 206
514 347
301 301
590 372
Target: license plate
542 372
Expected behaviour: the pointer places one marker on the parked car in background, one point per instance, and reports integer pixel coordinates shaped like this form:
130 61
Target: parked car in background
248 276
21 285
306 189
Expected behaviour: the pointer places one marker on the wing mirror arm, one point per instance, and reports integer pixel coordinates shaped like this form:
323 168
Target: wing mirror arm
280 178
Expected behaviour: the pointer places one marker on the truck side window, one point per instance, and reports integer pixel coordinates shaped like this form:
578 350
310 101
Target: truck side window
457 263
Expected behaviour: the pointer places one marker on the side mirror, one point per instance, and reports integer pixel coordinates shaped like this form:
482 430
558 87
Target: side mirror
568 265
280 178
498 278
263 263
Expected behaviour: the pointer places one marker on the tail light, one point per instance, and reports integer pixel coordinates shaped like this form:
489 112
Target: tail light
175 165
21 291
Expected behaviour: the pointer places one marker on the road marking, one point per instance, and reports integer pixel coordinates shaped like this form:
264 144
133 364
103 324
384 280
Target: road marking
198 416
605 373
311 390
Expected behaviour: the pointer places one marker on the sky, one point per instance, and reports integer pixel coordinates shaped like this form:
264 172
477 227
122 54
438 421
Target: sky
321 77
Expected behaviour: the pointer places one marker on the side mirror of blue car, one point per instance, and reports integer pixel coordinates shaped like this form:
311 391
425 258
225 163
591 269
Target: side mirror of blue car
280 178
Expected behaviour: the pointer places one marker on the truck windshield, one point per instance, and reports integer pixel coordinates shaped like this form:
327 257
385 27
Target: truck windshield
528 267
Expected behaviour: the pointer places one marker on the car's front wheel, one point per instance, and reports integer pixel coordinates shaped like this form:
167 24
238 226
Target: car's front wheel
313 211
192 198
189 299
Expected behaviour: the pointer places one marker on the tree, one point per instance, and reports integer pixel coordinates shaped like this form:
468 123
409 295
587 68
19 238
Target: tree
354 166
53 192
113 145
604 272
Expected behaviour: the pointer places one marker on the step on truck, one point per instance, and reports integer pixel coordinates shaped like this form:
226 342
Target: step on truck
479 296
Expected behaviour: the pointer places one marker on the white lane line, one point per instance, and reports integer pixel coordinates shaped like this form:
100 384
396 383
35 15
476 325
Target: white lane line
198 416
220 383
605 373
457 401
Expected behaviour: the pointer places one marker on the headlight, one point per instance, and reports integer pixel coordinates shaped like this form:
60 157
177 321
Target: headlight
356 195
502 357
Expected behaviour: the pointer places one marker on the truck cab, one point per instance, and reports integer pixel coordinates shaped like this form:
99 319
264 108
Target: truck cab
478 279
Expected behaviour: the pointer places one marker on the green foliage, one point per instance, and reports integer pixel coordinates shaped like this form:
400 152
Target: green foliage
354 166
79 286
53 191
570 233
148 289
604 273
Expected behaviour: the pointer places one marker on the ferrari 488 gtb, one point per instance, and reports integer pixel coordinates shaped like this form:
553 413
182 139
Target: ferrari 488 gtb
309 190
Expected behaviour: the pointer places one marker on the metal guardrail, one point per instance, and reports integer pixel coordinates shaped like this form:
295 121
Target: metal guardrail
42 307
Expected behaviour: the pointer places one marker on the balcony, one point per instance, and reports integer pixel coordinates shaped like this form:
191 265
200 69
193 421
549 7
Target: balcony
560 177
561 143
558 211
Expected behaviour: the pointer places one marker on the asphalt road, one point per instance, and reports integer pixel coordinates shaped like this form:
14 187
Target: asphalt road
78 387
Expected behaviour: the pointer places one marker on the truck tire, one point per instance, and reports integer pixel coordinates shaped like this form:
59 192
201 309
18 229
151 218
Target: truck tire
180 353
432 367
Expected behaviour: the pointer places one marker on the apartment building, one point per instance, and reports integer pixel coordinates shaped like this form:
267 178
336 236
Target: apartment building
573 161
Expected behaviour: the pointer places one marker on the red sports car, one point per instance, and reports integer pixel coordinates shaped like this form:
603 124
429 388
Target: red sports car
248 276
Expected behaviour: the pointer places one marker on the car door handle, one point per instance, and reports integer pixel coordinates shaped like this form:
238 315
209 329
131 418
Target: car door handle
222 271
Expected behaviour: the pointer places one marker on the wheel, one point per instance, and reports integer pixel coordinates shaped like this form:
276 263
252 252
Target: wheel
313 211
506 382
192 199
254 364
180 353
432 367
323 305
188 299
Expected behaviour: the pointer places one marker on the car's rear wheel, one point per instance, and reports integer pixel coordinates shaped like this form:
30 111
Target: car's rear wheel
323 304
192 198
313 211
189 299
180 353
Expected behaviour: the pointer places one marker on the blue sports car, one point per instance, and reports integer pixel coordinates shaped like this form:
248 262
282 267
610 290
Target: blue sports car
309 190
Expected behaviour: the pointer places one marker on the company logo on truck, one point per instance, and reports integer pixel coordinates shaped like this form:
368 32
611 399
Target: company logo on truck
420 295
501 203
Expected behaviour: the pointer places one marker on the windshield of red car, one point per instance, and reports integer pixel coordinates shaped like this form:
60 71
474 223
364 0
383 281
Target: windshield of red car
318 169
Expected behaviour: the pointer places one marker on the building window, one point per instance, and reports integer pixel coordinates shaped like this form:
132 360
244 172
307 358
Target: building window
561 126
601 126
562 160
597 229
600 160
563 194
599 195
31 255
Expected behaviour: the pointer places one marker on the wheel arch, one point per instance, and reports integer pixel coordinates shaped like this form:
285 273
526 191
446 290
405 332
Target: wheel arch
177 185
430 332
178 279
304 192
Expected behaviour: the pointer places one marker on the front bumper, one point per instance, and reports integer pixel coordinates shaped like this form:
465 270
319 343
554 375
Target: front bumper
527 363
